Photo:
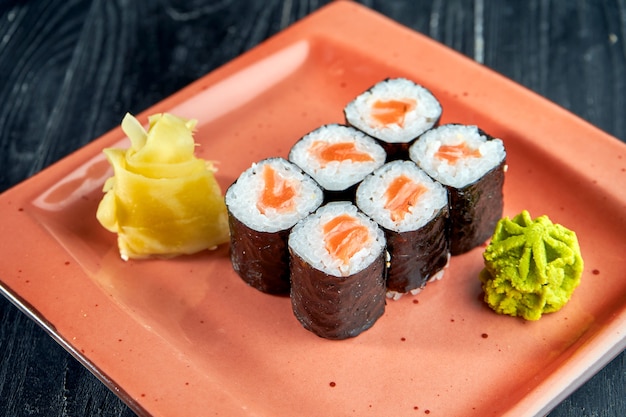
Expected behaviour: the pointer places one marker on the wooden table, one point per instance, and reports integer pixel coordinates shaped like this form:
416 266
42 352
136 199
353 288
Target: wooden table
70 69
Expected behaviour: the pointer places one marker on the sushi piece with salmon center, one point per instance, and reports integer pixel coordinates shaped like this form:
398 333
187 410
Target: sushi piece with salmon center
412 209
338 157
337 271
265 202
394 111
471 165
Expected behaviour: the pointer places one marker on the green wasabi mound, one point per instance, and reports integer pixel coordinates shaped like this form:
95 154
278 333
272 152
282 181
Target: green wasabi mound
531 266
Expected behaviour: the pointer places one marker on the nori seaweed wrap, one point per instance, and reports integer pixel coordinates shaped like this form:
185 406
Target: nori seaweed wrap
417 256
475 210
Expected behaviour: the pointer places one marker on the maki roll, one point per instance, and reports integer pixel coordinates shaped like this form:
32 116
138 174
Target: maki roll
337 271
471 165
412 209
263 205
395 111
338 157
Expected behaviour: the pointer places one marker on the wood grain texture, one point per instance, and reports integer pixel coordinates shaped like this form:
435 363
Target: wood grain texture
69 69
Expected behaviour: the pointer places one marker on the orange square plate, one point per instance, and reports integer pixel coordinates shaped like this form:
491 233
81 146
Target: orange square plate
186 337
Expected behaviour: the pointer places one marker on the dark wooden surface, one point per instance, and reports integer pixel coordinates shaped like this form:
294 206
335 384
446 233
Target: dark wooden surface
69 69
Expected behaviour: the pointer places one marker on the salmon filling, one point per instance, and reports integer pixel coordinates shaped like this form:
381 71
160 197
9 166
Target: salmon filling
278 192
402 194
326 152
387 112
452 153
344 236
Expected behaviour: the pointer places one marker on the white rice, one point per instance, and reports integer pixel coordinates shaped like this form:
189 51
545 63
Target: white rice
241 198
424 116
307 240
371 199
337 175
464 171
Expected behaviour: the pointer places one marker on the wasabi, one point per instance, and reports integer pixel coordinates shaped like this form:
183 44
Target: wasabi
531 266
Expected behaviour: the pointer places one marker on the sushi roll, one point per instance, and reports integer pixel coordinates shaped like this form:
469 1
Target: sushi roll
395 111
338 157
263 205
471 165
412 209
337 271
